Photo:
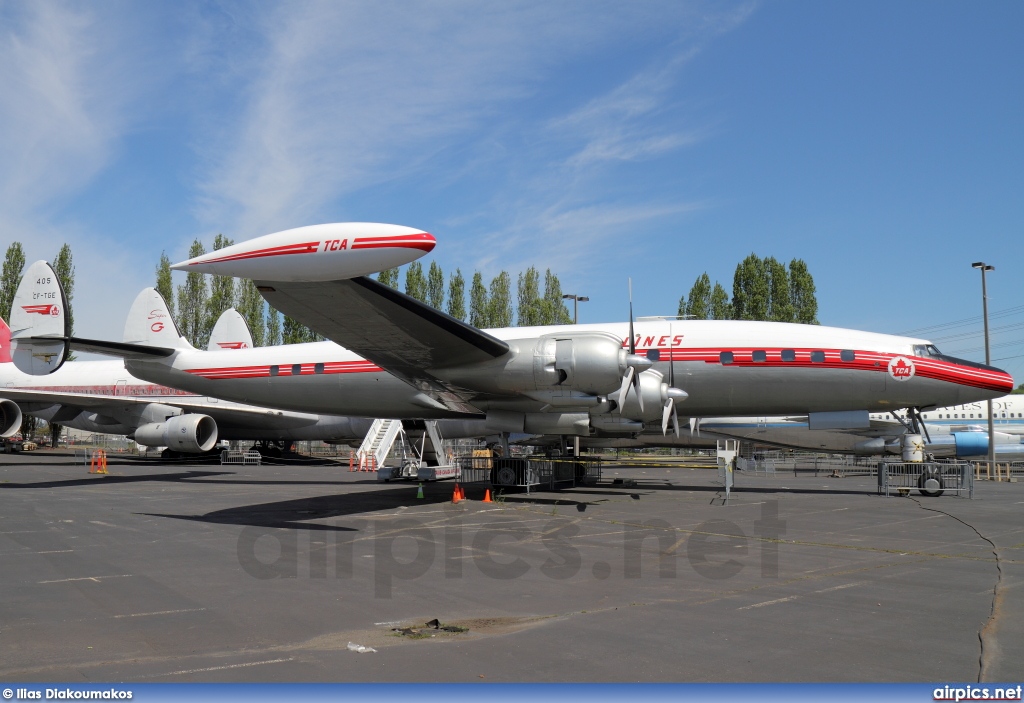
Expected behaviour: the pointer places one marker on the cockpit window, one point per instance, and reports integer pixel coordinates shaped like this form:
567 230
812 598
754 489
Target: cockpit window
926 350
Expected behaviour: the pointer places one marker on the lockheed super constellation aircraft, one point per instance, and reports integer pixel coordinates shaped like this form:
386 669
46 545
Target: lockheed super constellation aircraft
393 356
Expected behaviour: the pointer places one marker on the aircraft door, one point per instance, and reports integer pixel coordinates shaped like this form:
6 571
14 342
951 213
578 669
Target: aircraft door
121 388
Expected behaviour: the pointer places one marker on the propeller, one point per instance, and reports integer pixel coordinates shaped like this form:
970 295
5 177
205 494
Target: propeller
672 394
633 362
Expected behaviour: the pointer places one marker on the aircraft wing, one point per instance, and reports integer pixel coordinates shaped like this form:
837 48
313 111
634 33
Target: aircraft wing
123 350
400 334
226 414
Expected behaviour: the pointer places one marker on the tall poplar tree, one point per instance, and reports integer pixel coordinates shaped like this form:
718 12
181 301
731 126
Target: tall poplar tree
479 310
780 305
388 277
528 289
14 266
457 295
222 294
553 310
499 300
165 285
435 286
251 307
273 327
802 293
721 309
64 267
751 289
192 300
697 305
415 283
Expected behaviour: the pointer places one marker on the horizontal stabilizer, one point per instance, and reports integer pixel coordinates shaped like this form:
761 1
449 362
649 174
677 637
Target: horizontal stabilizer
39 322
122 350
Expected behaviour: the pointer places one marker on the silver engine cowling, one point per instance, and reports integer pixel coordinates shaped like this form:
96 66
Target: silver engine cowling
10 418
655 392
192 433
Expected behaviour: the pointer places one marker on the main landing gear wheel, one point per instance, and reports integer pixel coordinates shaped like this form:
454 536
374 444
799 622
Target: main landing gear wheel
930 484
504 476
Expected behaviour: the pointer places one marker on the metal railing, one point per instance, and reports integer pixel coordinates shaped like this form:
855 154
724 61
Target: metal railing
237 456
931 478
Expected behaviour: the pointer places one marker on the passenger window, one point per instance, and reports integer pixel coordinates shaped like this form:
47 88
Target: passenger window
274 370
760 356
654 354
817 357
319 368
847 355
788 355
296 369
725 357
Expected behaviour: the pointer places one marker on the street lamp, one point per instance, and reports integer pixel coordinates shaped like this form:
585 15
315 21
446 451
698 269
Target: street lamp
988 357
576 300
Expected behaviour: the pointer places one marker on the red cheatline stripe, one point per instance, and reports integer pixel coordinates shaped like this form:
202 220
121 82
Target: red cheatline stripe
331 367
44 309
424 246
303 248
422 237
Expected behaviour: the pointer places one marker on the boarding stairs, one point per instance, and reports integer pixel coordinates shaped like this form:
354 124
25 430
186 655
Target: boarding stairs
377 444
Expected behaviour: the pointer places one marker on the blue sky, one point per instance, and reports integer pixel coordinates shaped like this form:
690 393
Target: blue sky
881 142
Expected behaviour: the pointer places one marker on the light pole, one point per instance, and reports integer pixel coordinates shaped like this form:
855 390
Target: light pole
988 357
576 300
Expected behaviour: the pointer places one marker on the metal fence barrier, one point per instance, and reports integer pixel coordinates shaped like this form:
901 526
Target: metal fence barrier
237 456
530 472
931 478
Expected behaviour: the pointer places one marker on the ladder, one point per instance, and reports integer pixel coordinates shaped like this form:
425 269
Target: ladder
377 444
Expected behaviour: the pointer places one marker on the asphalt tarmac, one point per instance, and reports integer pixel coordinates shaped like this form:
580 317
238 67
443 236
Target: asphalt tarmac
178 572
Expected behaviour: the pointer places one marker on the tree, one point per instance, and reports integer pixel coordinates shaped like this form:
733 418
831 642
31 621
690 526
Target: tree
499 300
751 289
164 284
415 283
435 286
295 332
802 293
457 295
222 294
252 308
192 300
553 310
1019 390
14 265
780 305
720 307
479 310
697 305
273 327
388 277
64 268
530 308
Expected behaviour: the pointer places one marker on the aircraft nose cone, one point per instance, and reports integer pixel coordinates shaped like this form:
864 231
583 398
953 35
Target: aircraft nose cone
428 242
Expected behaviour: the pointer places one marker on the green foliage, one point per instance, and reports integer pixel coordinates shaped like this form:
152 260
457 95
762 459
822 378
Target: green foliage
780 305
252 308
388 278
751 289
64 267
479 311
499 301
273 327
222 295
802 293
164 284
553 310
415 282
528 289
435 286
721 308
192 300
1019 390
295 332
457 295
14 266
697 305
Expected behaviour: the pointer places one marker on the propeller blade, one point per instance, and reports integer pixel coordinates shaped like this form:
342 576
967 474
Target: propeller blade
626 380
639 395
671 360
632 339
675 421
665 412
693 424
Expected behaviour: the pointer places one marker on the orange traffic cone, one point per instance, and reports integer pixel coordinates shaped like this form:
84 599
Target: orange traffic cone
455 494
487 496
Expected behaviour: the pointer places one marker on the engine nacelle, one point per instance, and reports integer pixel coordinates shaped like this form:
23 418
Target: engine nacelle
190 433
588 363
10 418
655 393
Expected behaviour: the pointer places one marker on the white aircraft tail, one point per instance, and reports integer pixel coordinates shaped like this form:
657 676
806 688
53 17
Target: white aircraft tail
39 322
230 332
150 323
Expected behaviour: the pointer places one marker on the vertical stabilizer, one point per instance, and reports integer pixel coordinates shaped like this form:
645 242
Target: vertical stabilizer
230 332
39 323
150 323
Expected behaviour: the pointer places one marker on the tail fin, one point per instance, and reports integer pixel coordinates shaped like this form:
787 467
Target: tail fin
150 323
230 332
39 322
5 343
